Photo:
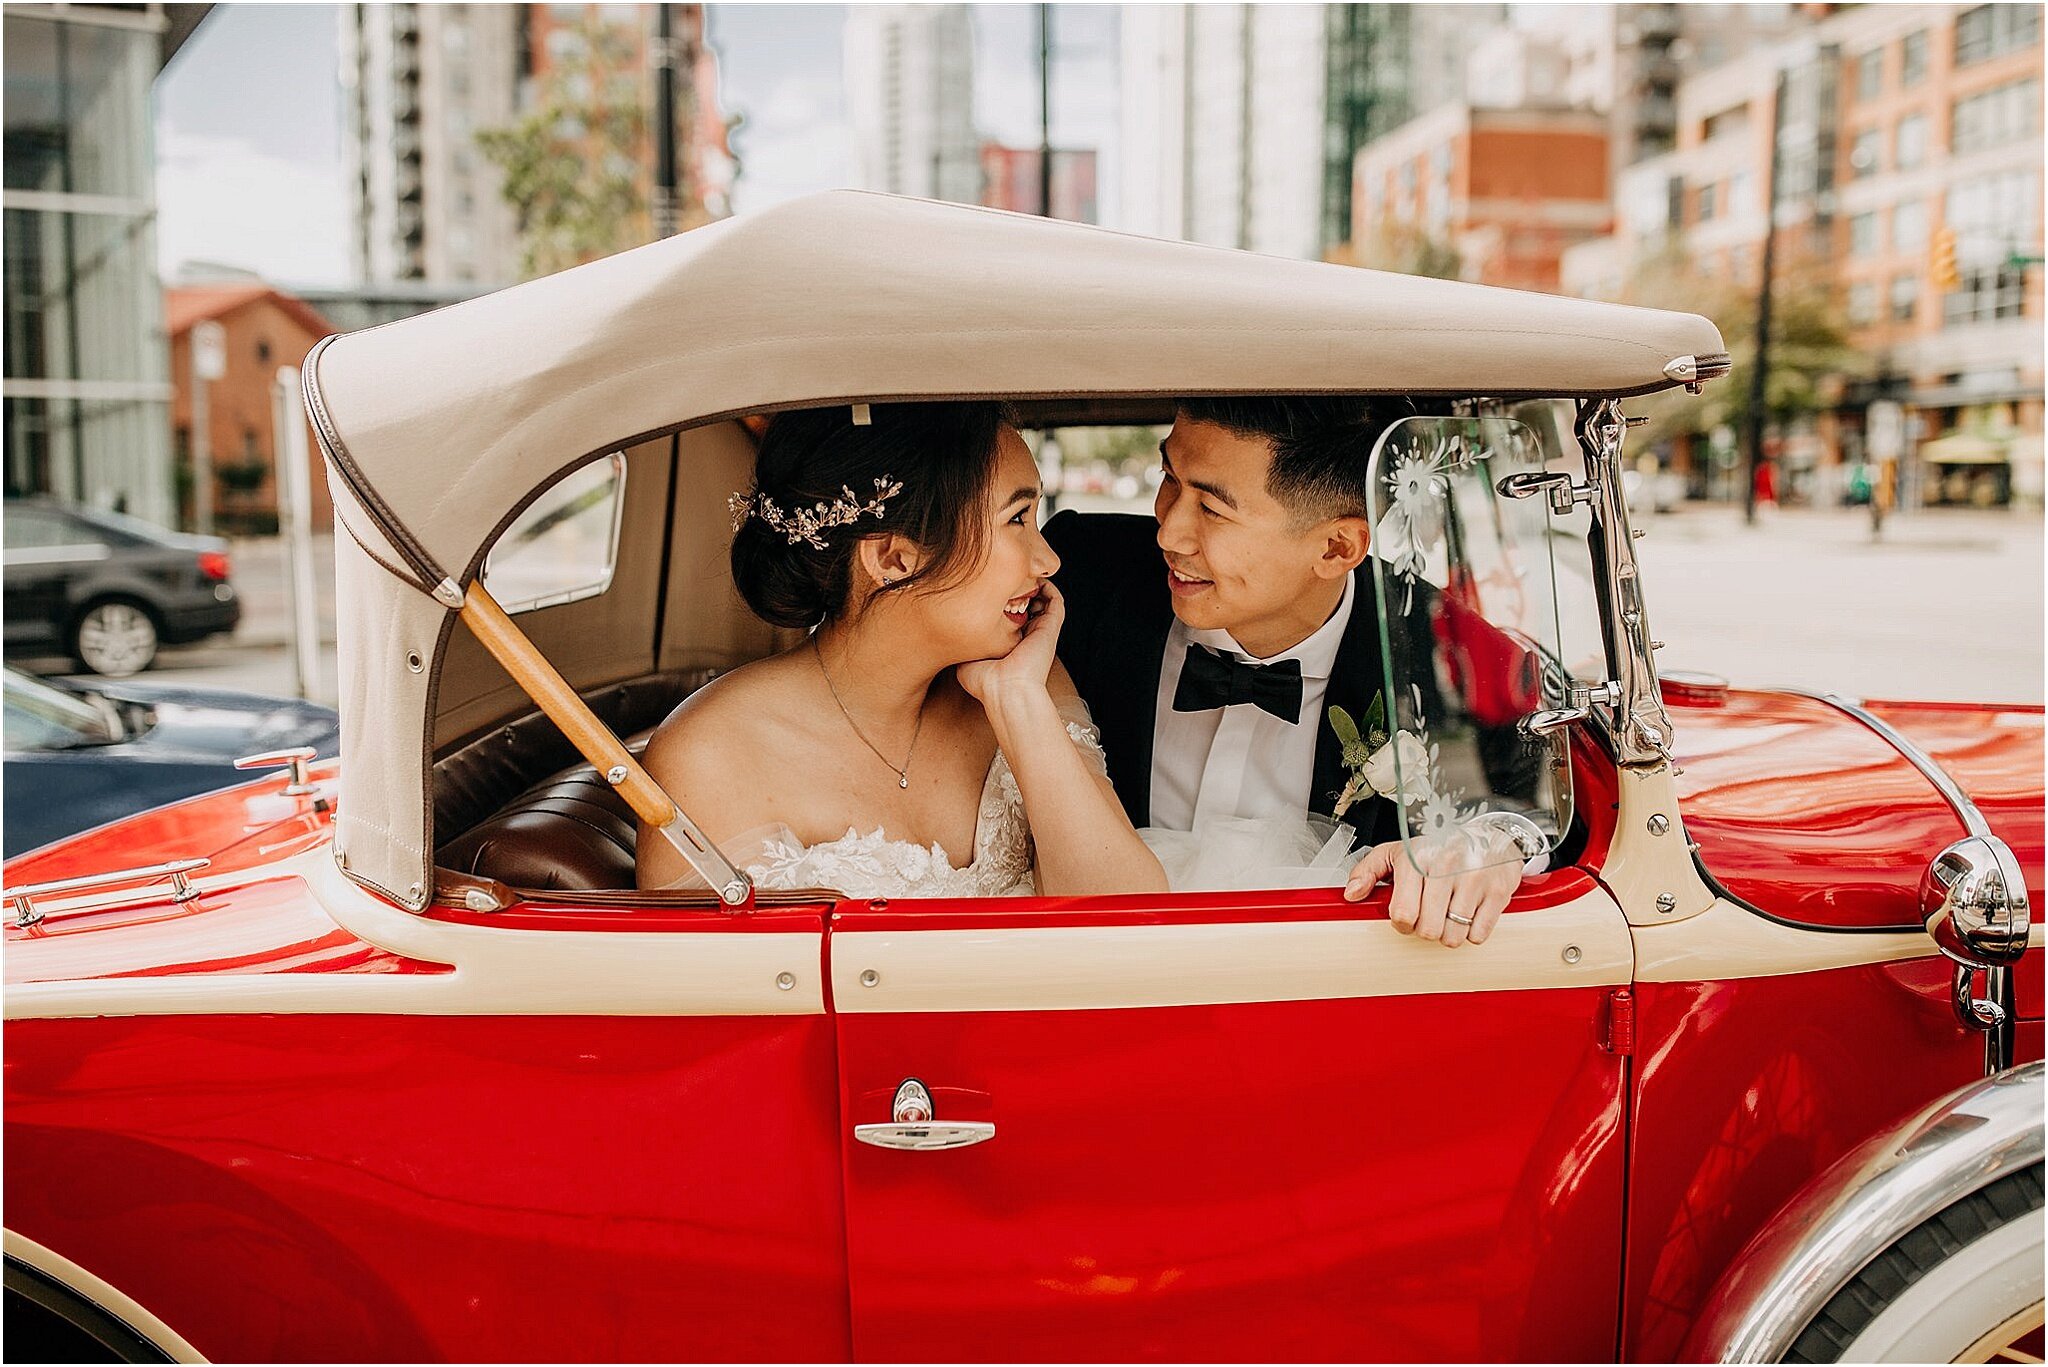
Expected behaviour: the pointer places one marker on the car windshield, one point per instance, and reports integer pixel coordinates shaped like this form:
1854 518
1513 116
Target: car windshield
42 717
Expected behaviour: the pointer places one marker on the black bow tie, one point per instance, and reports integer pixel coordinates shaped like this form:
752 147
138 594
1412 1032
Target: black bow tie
1209 680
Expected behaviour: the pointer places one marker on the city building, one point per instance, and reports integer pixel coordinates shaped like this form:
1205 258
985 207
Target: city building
263 330
421 81
1010 180
910 100
87 390
1510 190
1910 187
1240 122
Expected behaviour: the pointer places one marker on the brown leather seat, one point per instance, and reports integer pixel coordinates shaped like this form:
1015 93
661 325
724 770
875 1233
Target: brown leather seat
570 832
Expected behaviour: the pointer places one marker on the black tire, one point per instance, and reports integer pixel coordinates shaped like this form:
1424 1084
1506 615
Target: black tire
1838 1332
46 1321
137 635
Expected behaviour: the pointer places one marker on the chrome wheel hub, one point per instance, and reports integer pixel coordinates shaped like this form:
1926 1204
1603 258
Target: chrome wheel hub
116 639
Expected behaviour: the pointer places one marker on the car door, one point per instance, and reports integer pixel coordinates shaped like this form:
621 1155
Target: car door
46 551
1257 1126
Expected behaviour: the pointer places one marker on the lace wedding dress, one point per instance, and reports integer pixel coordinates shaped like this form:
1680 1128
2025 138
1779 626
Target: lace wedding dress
873 865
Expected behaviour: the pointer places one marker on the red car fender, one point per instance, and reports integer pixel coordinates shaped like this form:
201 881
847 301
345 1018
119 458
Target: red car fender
1859 1206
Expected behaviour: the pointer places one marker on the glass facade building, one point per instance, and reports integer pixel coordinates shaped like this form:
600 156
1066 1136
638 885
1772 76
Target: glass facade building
87 387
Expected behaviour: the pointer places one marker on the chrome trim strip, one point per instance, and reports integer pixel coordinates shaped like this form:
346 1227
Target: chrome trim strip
1859 1206
1965 810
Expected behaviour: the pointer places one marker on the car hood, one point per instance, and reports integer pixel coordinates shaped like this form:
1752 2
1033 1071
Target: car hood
1806 812
254 915
202 724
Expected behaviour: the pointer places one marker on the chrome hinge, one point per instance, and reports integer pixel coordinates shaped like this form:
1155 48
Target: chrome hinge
1564 493
1583 700
1621 1023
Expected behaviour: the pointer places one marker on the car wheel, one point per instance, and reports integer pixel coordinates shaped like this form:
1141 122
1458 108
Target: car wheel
1962 1286
116 638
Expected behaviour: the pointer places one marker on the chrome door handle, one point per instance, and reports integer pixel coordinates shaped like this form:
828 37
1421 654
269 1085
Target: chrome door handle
914 1126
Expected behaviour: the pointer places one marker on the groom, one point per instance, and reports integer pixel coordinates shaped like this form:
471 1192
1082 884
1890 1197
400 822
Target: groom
1211 643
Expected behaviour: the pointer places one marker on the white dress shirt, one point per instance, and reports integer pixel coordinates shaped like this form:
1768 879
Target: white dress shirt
1243 760
1239 761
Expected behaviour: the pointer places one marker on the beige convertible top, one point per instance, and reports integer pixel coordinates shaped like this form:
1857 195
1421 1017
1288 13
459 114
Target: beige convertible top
439 429
453 420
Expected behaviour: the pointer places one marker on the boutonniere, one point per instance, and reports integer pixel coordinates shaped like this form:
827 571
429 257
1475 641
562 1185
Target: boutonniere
1394 766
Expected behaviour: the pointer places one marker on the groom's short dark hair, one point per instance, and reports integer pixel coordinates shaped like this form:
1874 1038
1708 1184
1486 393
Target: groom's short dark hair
1320 442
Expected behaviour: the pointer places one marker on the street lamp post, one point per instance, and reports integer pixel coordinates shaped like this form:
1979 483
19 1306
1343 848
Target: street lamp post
1759 374
663 53
209 347
1045 111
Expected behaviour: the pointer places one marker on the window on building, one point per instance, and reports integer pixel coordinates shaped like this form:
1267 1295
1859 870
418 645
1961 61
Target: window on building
1992 30
1995 117
1863 234
1986 294
1913 59
1995 216
1905 297
1862 303
1866 150
1741 186
1910 147
1709 201
1909 225
1734 120
1870 74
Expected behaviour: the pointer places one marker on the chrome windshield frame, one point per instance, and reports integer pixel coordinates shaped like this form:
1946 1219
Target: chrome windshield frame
1640 726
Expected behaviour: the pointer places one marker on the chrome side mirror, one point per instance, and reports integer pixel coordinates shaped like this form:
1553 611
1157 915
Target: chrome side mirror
1973 899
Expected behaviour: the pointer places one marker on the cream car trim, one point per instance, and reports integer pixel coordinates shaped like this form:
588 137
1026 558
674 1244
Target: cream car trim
123 1307
1727 941
1582 943
494 971
1642 867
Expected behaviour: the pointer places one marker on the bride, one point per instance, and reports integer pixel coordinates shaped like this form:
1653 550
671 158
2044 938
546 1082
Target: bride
923 741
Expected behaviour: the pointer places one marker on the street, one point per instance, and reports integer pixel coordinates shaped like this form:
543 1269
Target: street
1946 605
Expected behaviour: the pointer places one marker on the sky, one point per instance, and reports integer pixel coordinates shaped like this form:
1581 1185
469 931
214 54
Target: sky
249 117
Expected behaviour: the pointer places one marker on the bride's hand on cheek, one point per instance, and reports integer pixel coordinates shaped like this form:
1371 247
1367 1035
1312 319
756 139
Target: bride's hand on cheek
1029 661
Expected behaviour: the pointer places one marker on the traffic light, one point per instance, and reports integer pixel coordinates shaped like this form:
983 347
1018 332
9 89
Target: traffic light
1941 261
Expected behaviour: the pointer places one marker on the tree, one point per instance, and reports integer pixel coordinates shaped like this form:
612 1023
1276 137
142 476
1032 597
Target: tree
1402 247
1810 354
572 163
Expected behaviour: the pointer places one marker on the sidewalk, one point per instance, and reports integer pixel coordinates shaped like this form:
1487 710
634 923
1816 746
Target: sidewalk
261 574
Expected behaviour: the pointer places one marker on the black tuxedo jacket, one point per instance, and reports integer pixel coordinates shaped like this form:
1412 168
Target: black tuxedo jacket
1119 611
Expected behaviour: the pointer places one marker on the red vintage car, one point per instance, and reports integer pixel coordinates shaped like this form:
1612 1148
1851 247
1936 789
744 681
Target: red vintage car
386 1060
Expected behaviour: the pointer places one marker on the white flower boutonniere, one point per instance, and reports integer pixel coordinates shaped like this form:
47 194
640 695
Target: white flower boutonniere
1395 767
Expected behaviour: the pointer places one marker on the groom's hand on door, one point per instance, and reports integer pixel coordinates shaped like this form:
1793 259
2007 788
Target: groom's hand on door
1452 908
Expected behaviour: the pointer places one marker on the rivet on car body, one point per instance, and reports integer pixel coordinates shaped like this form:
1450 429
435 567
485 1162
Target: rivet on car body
1666 903
413 662
1572 954
1659 824
785 981
868 977
476 899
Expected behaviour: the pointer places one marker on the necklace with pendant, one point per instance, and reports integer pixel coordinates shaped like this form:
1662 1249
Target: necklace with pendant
902 771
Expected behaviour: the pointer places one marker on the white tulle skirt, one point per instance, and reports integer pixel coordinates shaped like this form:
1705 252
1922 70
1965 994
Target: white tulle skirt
1238 853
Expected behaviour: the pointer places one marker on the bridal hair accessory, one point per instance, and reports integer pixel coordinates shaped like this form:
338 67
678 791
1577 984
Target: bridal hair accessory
810 524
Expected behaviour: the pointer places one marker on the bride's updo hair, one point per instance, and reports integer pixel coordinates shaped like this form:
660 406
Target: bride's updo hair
942 454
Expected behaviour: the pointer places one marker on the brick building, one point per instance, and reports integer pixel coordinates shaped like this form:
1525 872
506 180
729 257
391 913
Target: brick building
1010 180
1510 189
265 329
1904 124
